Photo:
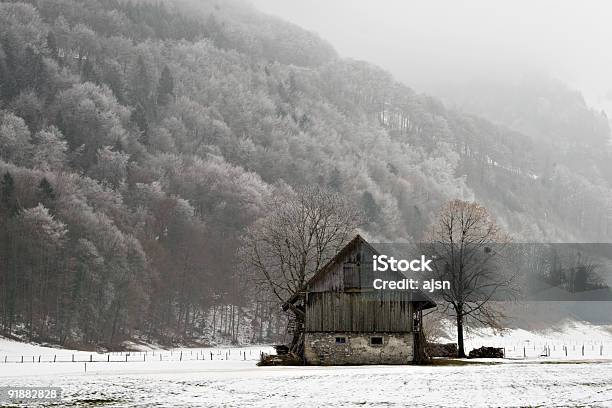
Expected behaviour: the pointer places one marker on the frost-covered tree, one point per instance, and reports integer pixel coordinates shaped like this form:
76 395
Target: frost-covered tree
301 232
466 245
50 149
15 139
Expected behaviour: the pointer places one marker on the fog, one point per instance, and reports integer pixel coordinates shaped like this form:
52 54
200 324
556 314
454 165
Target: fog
428 44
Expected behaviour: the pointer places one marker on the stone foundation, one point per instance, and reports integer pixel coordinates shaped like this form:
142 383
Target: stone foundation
322 349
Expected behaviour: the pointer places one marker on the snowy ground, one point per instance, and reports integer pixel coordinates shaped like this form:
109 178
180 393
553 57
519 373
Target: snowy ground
231 378
573 340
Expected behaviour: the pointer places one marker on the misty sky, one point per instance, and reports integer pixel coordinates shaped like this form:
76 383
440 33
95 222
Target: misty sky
428 43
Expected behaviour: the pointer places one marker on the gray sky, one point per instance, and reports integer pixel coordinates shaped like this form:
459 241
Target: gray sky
425 43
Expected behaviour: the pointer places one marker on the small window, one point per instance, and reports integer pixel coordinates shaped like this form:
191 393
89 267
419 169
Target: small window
351 275
340 340
376 341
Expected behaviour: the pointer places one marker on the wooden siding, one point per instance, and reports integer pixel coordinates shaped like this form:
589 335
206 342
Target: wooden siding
376 311
353 271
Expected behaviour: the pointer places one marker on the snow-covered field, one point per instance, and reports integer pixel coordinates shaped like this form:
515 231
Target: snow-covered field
572 340
189 378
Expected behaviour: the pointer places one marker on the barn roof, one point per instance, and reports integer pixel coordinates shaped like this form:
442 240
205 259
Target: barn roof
419 296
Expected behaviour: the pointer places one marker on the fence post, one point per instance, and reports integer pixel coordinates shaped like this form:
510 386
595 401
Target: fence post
583 349
524 352
91 358
126 356
73 358
22 359
108 358
85 366
54 357
181 357
211 354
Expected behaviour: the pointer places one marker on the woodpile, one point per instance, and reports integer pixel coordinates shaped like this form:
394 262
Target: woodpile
288 359
441 349
487 352
281 349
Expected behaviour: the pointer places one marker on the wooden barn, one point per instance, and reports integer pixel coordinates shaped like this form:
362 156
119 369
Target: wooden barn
347 321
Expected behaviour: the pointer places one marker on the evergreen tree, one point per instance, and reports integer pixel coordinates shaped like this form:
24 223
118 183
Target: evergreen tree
335 180
46 194
141 83
8 198
370 208
87 72
165 88
52 45
141 95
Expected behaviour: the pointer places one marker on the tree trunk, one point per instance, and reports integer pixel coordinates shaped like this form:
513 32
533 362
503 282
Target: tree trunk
214 321
297 342
460 346
420 356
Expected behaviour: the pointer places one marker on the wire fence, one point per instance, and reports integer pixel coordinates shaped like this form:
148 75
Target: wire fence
587 349
136 356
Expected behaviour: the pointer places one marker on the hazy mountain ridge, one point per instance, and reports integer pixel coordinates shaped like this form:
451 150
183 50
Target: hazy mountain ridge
546 110
139 140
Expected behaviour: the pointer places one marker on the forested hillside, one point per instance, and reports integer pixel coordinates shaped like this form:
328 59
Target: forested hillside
138 140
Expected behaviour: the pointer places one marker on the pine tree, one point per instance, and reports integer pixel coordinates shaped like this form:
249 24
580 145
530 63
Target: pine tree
371 209
141 95
8 199
165 88
46 194
52 45
335 180
141 92
87 72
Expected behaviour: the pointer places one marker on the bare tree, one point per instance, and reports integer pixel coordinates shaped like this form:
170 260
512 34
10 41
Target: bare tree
302 231
468 247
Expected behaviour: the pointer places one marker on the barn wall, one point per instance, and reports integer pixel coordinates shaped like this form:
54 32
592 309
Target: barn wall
322 349
359 312
351 271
